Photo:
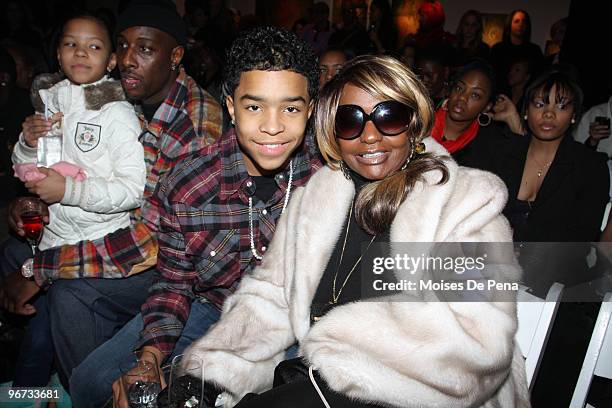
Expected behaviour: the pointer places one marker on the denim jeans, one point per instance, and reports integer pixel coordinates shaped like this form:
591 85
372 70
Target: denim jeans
35 359
86 312
13 253
91 381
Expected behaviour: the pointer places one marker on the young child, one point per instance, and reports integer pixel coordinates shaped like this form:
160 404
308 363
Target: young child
101 152
99 136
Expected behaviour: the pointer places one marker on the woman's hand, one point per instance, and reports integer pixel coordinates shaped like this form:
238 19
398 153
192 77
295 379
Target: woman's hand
36 126
505 111
51 189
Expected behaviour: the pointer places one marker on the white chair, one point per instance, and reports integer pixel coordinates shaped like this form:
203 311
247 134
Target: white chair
535 321
598 358
604 220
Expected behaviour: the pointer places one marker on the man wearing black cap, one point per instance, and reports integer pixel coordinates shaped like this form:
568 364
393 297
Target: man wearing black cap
178 119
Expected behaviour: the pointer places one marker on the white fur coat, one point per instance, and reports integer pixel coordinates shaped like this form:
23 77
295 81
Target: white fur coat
399 354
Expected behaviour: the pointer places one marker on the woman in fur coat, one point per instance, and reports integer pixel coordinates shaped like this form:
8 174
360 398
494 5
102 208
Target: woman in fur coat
381 184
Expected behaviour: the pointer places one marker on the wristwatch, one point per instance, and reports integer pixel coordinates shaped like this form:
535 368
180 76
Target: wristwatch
27 269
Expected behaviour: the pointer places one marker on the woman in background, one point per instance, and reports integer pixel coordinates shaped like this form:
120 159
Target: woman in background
469 43
516 41
466 119
382 31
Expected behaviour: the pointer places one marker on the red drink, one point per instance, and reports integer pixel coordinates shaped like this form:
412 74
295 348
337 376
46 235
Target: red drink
32 225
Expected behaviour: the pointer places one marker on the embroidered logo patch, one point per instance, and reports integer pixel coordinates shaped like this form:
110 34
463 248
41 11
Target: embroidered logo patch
87 136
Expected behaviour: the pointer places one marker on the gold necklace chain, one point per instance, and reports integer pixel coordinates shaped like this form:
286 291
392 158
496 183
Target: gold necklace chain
335 296
542 167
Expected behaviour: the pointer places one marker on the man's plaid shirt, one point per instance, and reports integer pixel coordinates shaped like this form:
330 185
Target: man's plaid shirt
204 244
188 120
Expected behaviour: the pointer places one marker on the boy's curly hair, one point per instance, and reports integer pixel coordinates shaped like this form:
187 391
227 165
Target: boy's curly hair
270 49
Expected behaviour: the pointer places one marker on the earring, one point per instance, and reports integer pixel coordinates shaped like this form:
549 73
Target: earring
233 122
486 122
416 147
420 148
345 170
525 117
573 120
173 67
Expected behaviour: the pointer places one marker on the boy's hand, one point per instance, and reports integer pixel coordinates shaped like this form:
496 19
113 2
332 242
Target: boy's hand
35 127
50 189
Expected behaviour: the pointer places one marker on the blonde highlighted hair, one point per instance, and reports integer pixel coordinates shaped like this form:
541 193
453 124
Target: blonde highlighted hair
387 79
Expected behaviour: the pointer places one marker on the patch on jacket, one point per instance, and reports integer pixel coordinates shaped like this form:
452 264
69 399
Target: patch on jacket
87 136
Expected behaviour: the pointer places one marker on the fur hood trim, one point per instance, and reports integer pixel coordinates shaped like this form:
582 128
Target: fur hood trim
97 95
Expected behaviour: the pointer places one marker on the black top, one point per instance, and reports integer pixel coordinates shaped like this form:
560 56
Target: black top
356 244
265 187
518 214
487 135
569 206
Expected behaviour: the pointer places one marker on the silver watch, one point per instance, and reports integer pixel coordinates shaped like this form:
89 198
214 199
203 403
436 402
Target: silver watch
27 269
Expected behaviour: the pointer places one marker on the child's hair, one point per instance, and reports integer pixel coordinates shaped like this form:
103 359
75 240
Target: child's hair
97 20
270 49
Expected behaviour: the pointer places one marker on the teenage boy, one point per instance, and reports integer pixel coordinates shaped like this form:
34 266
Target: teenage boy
219 208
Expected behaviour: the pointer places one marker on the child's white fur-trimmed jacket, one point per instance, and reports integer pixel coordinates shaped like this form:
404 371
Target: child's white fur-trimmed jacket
100 133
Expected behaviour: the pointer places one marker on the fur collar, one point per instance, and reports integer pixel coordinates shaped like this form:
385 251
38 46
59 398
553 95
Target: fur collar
96 95
460 208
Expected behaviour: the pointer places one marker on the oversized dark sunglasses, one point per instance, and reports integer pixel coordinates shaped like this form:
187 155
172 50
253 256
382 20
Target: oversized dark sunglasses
390 118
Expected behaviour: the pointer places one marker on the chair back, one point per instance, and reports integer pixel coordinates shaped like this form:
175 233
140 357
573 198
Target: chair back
598 358
535 321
